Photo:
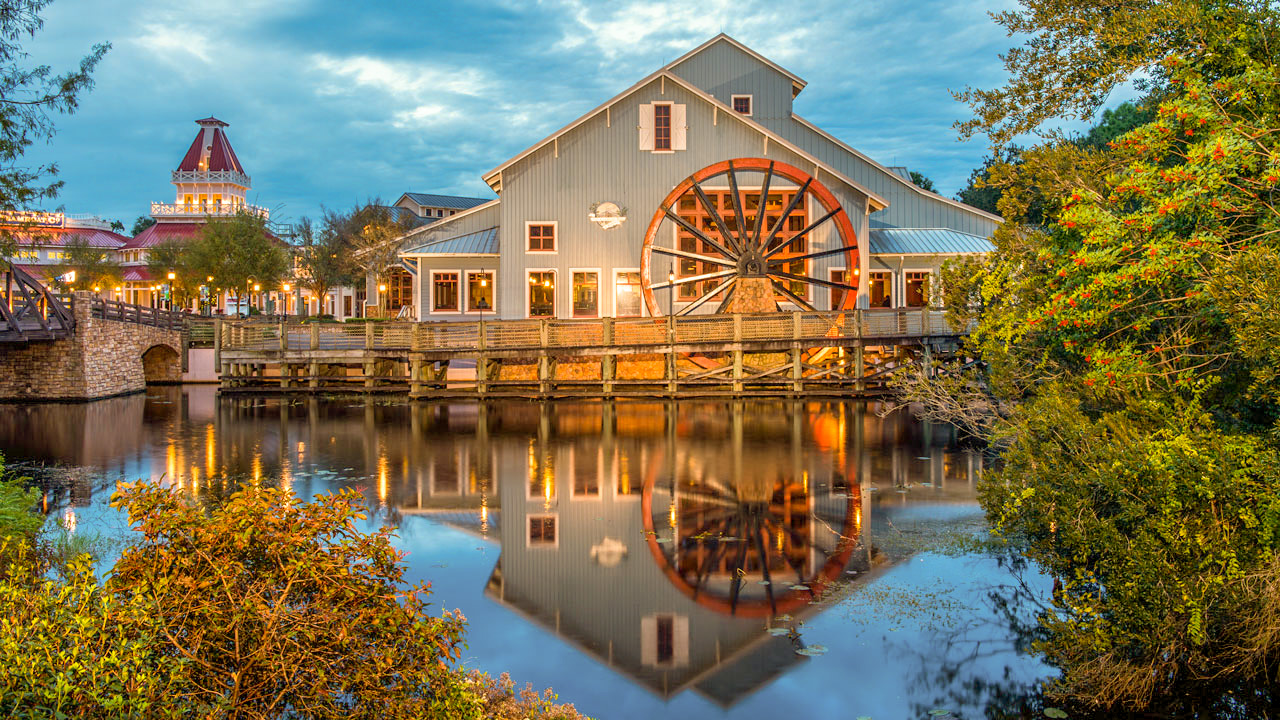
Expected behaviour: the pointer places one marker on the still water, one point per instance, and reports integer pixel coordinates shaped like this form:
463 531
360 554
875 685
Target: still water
695 559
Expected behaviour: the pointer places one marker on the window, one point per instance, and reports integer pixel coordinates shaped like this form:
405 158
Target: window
542 237
542 293
444 292
878 287
666 638
661 127
838 275
585 294
586 472
542 530
480 291
917 289
626 293
742 104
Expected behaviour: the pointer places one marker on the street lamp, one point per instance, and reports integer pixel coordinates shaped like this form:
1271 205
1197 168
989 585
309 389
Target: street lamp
671 291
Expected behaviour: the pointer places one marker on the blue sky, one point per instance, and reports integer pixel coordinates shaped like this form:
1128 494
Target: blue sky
332 102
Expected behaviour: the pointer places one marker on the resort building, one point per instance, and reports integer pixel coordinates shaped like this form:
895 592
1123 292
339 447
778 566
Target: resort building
43 238
696 190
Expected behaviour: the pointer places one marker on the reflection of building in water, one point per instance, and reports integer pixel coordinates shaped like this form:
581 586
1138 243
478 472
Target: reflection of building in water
562 487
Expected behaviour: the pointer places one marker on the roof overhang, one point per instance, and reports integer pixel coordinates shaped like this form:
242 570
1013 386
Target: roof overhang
494 176
445 221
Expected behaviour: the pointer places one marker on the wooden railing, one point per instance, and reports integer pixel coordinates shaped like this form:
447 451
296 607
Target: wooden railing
808 328
139 314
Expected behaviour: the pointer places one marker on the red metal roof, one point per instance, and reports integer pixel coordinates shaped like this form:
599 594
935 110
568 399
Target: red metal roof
221 156
163 232
60 237
137 274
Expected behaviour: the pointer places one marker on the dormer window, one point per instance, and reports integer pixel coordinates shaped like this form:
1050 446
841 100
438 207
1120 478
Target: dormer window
742 104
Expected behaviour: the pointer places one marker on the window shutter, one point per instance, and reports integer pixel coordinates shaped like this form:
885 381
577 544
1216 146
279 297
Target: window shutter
681 641
649 625
646 126
678 128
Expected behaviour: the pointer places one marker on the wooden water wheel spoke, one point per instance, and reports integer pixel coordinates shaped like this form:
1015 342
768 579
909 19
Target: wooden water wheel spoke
693 256
705 297
693 279
764 566
698 233
764 199
747 245
716 220
770 252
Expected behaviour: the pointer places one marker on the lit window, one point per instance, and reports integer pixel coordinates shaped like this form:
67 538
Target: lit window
917 290
585 294
626 298
878 287
542 294
542 530
480 291
742 104
542 237
661 127
444 291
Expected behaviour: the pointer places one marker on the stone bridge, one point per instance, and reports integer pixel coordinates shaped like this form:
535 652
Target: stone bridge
101 358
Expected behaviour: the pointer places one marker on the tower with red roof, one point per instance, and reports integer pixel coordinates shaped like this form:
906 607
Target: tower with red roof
209 183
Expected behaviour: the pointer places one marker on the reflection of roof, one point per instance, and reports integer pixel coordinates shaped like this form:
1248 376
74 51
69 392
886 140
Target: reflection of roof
451 202
926 241
58 237
482 242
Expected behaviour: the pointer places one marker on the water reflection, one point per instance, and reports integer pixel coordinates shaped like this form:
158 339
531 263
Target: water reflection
665 540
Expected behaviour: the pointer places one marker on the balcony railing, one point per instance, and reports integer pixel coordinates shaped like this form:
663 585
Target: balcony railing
200 210
211 176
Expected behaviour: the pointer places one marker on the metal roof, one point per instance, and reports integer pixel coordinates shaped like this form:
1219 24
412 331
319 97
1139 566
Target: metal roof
484 242
451 202
926 241
61 237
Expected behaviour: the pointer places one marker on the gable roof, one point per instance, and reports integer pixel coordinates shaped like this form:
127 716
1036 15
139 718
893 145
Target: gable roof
221 156
797 84
442 222
904 179
451 202
665 74
483 242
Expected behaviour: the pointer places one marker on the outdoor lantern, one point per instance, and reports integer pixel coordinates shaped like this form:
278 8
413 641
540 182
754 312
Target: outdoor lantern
671 277
484 282
286 287
256 287
95 288
382 288
172 275
209 279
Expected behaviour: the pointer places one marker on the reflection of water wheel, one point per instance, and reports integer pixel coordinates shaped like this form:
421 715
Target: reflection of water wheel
729 534
722 249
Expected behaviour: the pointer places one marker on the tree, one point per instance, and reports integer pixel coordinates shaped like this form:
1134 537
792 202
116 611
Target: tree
95 268
142 223
239 252
1128 342
372 233
1115 122
922 182
322 257
117 226
29 96
173 256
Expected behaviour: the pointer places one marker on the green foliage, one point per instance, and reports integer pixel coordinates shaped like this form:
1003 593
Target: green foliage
142 223
371 233
322 256
29 95
176 257
238 252
17 521
94 267
922 182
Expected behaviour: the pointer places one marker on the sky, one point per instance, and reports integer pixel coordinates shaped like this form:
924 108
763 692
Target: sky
334 102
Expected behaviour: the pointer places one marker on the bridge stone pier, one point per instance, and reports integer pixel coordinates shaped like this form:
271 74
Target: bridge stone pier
100 359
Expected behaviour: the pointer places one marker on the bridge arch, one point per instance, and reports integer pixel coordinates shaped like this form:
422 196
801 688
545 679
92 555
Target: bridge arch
161 364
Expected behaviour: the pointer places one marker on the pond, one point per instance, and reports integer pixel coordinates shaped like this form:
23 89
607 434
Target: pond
696 559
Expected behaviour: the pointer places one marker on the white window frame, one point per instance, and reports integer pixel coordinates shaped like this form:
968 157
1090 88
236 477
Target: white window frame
554 544
573 476
891 286
555 238
493 284
599 310
432 299
751 104
555 294
831 291
928 286
613 301
654 130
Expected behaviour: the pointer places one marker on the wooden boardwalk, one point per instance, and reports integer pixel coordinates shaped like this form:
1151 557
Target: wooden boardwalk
803 353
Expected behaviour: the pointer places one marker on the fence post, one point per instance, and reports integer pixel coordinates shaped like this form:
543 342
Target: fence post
368 335
924 320
857 321
217 343
315 336
284 336
480 340
796 325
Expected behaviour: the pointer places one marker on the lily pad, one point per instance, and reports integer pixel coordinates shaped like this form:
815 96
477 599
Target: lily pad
939 711
799 587
762 582
776 631
1056 713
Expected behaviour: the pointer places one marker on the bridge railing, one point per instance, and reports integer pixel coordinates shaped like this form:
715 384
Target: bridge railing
139 314
809 327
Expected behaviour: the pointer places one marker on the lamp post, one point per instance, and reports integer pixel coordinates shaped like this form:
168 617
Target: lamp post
284 299
168 290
